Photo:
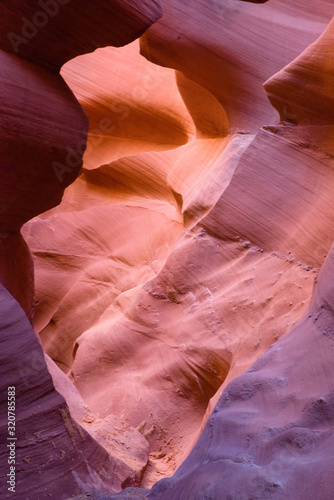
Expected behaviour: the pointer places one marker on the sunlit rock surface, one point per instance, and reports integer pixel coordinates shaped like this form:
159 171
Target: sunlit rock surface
43 137
177 283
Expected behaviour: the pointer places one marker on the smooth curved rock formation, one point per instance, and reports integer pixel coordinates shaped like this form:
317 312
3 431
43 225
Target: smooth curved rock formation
47 439
237 46
237 280
310 79
50 32
270 435
176 283
40 157
127 447
17 270
133 105
43 138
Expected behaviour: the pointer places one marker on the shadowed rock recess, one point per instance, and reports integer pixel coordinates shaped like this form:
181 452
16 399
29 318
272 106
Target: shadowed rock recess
166 249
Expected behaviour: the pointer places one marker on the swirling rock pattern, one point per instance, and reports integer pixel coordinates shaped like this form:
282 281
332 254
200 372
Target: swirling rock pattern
43 138
177 282
51 448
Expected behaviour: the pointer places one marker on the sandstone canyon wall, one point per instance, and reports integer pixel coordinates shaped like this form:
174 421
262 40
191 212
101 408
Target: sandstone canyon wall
43 138
179 276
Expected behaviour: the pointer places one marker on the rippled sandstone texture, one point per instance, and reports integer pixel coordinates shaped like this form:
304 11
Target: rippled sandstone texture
54 456
191 243
43 138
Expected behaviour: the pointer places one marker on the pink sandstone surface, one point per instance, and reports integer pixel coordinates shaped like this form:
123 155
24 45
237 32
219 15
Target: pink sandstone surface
179 277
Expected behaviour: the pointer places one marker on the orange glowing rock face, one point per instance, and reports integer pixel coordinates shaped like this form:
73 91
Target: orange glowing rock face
183 279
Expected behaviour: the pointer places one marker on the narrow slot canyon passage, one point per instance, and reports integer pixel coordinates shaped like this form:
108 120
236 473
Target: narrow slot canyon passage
166 261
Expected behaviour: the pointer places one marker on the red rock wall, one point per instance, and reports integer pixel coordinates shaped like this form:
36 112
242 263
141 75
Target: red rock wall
177 283
43 138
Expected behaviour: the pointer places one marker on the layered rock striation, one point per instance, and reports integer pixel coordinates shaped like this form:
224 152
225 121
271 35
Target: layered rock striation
177 282
43 138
